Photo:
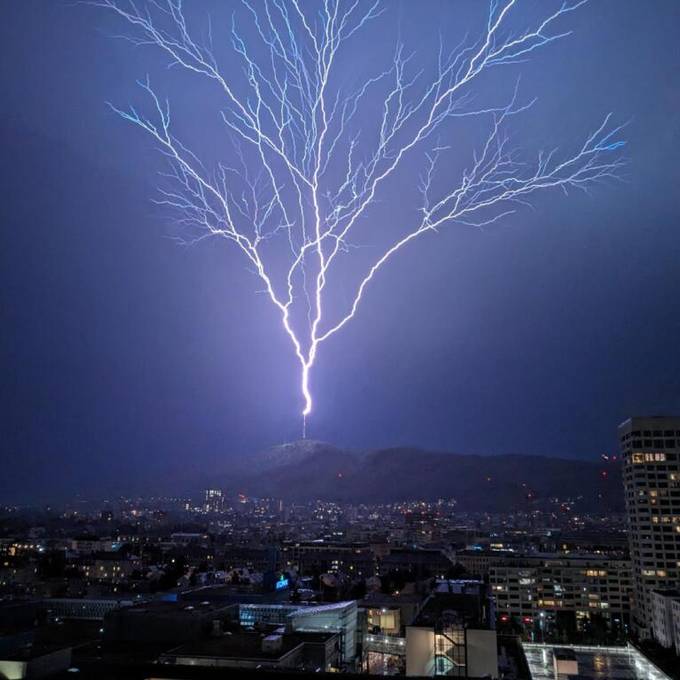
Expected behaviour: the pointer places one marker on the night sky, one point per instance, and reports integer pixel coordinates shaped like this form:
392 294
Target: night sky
129 362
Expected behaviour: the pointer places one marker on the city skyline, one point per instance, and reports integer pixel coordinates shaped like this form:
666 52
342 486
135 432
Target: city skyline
559 580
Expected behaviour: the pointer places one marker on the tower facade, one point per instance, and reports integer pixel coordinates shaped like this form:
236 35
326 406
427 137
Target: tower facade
650 449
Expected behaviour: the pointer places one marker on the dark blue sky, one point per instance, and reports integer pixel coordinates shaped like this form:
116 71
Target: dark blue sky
128 360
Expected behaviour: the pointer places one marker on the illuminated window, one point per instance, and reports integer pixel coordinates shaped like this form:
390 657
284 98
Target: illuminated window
648 458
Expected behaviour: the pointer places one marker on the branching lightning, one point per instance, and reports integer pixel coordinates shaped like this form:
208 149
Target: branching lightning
306 174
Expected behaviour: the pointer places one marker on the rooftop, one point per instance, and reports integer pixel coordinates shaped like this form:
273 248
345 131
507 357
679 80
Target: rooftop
594 663
674 593
174 609
245 646
455 602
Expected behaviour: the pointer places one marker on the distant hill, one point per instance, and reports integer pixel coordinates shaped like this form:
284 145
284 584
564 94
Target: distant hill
308 470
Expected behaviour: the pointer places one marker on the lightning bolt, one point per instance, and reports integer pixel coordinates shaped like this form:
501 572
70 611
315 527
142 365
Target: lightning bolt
307 174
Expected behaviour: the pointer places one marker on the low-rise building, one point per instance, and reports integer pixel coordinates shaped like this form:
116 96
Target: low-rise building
329 556
166 622
111 567
338 617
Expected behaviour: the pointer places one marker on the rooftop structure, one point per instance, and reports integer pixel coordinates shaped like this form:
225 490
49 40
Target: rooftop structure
280 650
596 663
453 634
665 607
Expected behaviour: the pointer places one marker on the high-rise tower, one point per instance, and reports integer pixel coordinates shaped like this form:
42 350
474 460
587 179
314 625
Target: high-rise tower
651 477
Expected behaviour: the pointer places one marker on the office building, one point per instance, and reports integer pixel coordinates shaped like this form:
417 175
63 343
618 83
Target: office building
546 592
651 476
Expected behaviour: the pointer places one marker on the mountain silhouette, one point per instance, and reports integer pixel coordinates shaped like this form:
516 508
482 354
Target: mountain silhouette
310 470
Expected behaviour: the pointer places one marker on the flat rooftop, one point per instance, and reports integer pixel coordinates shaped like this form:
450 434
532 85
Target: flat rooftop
594 663
245 646
175 609
462 608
